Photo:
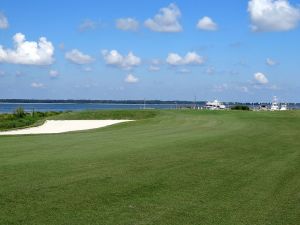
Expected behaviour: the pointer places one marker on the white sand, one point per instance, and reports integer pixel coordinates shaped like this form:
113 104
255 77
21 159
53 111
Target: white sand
62 126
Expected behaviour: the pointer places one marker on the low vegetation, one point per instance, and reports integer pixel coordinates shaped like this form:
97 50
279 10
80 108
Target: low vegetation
19 113
20 119
240 107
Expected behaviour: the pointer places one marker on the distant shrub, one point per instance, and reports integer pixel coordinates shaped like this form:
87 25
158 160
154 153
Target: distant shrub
240 107
44 114
52 113
39 114
19 112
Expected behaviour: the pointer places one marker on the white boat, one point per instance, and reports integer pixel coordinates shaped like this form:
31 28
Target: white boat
275 105
215 105
283 107
263 107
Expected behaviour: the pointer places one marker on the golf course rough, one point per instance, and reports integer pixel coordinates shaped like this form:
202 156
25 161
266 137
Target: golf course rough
166 168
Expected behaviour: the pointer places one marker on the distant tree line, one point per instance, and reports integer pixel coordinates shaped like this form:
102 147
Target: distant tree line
82 101
97 101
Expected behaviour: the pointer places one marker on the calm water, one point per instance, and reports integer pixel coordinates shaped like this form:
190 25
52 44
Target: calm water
44 107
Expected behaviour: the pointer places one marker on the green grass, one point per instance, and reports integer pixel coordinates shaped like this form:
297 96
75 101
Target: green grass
167 168
106 114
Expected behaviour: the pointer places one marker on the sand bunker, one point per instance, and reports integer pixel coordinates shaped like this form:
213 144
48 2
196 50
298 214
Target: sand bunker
63 126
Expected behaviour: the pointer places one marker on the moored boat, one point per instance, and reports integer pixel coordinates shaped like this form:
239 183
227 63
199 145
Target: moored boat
215 105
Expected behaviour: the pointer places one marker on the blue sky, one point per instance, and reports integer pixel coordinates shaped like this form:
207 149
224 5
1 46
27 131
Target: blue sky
168 50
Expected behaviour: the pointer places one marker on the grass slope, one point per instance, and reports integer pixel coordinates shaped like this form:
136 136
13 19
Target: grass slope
173 167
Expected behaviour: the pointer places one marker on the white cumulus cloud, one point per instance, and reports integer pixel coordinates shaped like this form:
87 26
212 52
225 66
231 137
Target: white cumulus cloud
37 85
191 58
155 65
244 89
87 25
184 70
271 62
127 24
273 15
131 79
28 53
114 58
19 73
53 73
206 23
261 78
153 68
87 69
77 57
220 87
3 21
167 20
174 59
210 70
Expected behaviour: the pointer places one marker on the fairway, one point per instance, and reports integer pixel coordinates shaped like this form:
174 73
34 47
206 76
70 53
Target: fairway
166 168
